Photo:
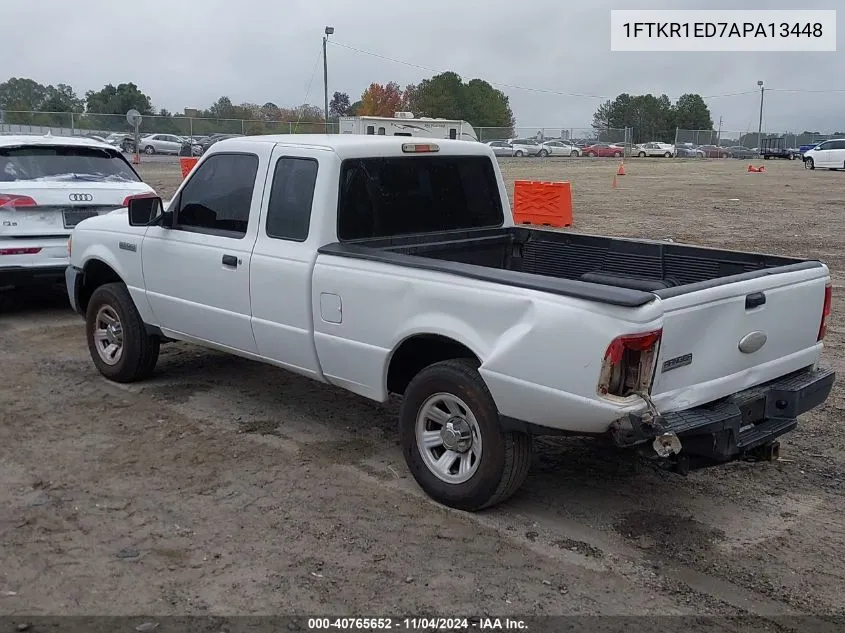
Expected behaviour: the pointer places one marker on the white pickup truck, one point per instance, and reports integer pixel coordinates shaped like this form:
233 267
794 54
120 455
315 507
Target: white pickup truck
383 265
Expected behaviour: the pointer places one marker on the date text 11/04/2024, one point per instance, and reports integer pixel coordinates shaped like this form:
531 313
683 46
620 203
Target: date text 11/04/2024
722 29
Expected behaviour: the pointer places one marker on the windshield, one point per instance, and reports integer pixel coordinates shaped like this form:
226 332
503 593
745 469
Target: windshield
44 162
400 196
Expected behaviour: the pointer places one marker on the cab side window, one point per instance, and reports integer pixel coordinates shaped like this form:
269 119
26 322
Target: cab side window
218 197
291 197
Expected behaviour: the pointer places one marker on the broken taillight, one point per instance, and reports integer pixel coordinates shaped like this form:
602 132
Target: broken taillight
628 364
828 298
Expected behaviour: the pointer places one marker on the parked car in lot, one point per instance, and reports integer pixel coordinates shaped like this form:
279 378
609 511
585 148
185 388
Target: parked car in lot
291 250
525 147
666 150
603 150
559 148
501 148
48 184
211 139
688 151
126 142
829 154
737 151
714 151
160 144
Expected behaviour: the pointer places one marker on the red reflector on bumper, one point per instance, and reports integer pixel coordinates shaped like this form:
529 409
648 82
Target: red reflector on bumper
19 251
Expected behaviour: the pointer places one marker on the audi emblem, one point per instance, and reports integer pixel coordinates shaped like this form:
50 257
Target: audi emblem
81 197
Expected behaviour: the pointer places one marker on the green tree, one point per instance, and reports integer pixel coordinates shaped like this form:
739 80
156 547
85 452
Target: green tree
652 118
106 108
691 113
339 105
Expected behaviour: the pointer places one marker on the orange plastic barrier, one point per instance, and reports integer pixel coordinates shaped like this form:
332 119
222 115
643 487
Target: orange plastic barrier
187 163
542 203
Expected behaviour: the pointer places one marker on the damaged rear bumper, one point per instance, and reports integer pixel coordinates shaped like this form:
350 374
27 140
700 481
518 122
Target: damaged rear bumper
744 424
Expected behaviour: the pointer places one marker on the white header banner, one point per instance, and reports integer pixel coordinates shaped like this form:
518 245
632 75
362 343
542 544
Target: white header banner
720 31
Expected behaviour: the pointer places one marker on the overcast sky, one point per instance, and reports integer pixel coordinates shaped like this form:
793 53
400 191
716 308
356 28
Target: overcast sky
187 54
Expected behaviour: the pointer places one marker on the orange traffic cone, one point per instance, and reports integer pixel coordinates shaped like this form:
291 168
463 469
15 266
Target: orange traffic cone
621 170
136 158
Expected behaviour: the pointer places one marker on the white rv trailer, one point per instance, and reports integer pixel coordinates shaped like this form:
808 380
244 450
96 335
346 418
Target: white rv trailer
404 124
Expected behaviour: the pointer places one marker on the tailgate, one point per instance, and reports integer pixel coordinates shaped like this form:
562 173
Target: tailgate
722 339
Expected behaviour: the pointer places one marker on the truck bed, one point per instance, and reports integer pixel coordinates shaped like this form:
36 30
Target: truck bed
620 271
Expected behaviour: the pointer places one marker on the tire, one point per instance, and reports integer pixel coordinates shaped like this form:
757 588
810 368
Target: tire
137 351
505 457
617 154
519 153
543 153
149 149
809 164
591 154
641 154
667 155
573 154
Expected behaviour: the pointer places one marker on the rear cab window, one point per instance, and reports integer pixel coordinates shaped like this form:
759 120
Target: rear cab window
382 197
64 163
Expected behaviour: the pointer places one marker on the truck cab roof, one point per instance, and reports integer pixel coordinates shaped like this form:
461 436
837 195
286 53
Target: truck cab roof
355 145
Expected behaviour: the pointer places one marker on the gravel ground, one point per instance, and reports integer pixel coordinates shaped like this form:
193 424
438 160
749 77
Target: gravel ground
225 487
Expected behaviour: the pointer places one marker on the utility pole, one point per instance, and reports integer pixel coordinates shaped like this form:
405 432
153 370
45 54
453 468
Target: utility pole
760 125
329 30
719 134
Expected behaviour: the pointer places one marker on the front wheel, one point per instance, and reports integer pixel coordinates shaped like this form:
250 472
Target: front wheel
574 153
453 442
543 153
519 153
591 154
149 149
809 164
667 155
117 338
617 154
641 154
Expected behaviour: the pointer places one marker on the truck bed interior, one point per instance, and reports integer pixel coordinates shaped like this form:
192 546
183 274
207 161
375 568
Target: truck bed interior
640 267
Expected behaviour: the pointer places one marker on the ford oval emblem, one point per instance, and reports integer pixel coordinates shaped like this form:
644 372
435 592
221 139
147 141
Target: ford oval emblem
752 342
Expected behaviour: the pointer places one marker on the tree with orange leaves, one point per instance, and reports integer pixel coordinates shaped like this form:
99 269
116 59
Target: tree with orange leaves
381 100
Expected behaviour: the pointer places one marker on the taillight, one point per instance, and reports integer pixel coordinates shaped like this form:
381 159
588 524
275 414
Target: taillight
136 197
14 201
628 364
19 251
828 297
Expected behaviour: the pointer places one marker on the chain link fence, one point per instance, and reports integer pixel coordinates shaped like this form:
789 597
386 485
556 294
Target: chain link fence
74 124
576 135
749 139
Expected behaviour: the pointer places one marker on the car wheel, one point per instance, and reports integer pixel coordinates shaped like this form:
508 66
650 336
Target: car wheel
519 153
617 154
574 153
453 442
667 155
809 164
543 153
641 154
117 338
591 154
149 149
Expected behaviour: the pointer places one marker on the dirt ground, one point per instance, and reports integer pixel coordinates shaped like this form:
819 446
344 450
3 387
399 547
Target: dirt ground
225 487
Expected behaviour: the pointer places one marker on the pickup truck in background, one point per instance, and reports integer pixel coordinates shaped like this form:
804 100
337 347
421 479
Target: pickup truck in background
383 265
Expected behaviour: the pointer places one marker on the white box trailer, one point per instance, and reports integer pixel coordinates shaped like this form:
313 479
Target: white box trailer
402 125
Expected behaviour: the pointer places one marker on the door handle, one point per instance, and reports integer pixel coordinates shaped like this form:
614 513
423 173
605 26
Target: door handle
230 260
754 300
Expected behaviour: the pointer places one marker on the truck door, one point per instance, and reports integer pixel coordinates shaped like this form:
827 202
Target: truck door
197 272
283 259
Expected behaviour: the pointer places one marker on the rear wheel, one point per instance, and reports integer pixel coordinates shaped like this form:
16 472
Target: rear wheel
591 154
453 442
149 149
543 153
519 153
574 153
641 154
617 154
117 338
667 155
809 164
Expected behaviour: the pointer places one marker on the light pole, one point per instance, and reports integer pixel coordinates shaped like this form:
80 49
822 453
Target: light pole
329 31
760 125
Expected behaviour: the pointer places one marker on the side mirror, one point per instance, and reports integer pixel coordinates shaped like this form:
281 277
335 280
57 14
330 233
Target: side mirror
143 211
